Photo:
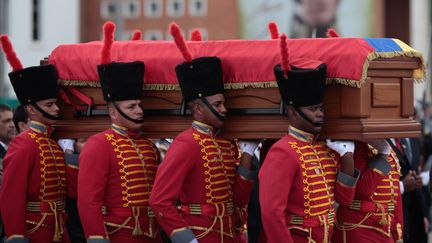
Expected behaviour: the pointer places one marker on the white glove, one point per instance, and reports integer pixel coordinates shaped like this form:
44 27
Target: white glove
248 146
381 145
341 147
66 144
193 241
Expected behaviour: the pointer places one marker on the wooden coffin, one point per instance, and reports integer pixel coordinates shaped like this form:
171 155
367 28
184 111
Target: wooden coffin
382 107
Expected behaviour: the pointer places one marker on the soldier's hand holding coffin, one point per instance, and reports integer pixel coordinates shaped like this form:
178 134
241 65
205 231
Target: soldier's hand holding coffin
341 147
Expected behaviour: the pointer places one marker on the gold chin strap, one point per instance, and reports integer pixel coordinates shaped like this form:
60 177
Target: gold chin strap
137 229
58 227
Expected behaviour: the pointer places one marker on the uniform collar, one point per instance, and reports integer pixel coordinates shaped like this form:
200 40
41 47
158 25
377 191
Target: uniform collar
40 127
301 135
124 131
204 128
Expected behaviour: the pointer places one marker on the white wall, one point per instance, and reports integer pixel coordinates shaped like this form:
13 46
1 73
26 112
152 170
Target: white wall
420 28
59 21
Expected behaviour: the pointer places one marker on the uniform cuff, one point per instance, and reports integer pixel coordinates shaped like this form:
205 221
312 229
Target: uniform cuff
181 236
247 174
380 164
401 187
348 180
17 239
71 159
97 239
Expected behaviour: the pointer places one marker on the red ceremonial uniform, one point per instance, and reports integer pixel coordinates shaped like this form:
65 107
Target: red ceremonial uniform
200 170
299 183
115 179
375 215
34 187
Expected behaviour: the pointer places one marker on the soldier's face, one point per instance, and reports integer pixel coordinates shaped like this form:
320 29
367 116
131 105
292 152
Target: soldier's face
316 115
132 109
7 127
49 106
218 103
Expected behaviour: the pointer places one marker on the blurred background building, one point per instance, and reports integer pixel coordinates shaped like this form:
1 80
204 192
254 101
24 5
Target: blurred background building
36 27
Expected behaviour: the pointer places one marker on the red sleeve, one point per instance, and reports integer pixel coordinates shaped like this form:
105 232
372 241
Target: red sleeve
18 164
72 174
367 183
242 186
242 190
276 178
399 218
92 178
344 194
72 181
169 181
370 177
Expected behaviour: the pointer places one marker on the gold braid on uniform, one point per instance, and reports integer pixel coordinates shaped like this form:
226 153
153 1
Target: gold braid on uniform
220 171
123 146
53 182
321 164
388 187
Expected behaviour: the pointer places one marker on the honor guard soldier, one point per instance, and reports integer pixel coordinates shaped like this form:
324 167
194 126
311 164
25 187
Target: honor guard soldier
201 170
375 214
34 183
300 178
118 165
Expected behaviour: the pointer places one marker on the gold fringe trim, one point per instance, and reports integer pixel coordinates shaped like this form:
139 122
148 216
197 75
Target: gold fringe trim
418 74
262 85
79 83
161 87
94 84
344 81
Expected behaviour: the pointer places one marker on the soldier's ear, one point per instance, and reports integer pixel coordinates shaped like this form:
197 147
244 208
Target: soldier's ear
30 110
289 110
112 112
291 113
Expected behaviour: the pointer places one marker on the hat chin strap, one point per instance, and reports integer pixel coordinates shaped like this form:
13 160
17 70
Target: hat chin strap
306 118
211 108
137 121
44 113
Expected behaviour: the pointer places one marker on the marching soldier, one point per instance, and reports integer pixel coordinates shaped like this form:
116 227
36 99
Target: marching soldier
375 214
118 165
201 169
300 179
34 181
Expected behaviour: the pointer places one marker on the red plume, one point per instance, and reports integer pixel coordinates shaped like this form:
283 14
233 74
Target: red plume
284 53
196 35
273 28
180 41
136 35
331 33
108 31
10 53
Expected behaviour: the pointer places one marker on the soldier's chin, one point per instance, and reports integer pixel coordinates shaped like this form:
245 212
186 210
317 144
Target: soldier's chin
317 128
139 120
318 124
